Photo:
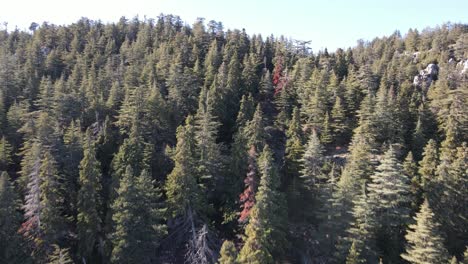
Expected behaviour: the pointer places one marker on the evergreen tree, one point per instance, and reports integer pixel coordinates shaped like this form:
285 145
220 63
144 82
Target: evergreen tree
130 153
89 201
449 197
425 244
419 139
44 223
353 255
137 217
60 256
209 163
326 136
10 220
312 161
265 233
428 165
73 154
228 253
6 152
238 165
293 164
362 230
410 168
255 130
389 195
338 124
182 190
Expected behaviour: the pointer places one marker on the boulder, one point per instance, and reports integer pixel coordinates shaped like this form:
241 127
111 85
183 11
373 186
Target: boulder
432 70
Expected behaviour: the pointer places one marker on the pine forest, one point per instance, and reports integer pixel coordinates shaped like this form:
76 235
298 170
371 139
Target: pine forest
158 141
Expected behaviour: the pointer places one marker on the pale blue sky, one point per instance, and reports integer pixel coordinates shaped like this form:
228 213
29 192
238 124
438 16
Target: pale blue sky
331 24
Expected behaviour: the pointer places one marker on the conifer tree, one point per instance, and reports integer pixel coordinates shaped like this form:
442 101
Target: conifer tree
354 255
238 165
51 219
182 190
294 146
389 195
312 161
255 130
410 168
209 163
428 165
89 200
449 197
326 136
73 154
6 152
44 223
228 253
418 139
338 122
60 256
11 249
293 164
137 217
265 233
362 230
424 241
130 153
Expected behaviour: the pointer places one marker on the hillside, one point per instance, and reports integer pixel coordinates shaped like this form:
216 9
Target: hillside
154 141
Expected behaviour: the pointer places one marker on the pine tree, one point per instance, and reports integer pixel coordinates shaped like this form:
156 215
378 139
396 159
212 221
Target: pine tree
137 217
410 168
89 201
255 130
238 165
338 124
362 230
353 255
182 190
44 223
418 139
60 256
294 146
326 136
312 161
228 253
10 220
389 195
6 152
293 164
428 165
72 155
425 244
265 233
246 111
449 196
130 153
209 163
354 175
51 220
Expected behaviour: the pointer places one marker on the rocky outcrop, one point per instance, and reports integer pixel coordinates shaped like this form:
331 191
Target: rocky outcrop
426 76
463 66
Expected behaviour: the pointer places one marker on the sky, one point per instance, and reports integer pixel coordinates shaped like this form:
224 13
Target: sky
328 24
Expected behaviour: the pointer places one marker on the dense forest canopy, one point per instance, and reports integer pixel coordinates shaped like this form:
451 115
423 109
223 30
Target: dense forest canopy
153 141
